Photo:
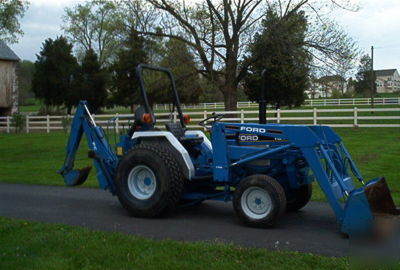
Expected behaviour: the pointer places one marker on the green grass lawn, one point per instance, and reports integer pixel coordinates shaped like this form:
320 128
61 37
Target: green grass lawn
376 152
35 158
32 245
33 107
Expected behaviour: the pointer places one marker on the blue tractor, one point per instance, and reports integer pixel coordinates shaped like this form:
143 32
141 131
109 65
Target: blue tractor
264 169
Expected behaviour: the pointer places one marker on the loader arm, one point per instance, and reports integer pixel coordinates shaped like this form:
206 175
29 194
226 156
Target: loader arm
326 156
104 159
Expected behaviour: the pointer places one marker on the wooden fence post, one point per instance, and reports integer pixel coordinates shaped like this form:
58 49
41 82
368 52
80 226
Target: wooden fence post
8 124
278 116
355 113
69 125
242 116
315 117
48 123
27 123
117 123
205 116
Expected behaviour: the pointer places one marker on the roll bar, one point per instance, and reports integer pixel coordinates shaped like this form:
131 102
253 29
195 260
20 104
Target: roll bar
177 103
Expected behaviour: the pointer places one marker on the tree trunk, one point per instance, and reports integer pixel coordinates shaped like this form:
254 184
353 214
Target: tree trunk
230 97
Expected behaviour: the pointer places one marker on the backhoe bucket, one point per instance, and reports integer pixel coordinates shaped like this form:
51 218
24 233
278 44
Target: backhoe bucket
75 177
365 204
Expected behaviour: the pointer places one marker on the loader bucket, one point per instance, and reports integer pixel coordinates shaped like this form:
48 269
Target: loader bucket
75 177
379 198
365 204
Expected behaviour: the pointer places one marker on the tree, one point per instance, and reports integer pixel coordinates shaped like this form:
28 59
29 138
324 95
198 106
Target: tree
180 61
94 25
218 32
279 49
215 32
125 87
55 68
25 72
91 82
10 12
364 76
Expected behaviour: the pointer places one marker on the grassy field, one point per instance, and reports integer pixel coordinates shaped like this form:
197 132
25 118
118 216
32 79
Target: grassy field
35 158
32 245
35 106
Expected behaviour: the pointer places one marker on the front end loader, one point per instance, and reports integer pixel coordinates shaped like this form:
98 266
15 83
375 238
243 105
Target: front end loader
264 169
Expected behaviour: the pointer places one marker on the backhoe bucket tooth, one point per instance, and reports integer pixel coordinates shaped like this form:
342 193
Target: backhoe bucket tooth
76 177
379 197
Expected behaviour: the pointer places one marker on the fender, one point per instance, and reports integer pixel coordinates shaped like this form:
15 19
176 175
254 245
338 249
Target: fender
188 168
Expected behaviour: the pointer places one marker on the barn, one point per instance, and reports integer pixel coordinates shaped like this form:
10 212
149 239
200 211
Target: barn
8 80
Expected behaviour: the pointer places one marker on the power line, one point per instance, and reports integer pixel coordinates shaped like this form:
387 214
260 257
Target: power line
393 46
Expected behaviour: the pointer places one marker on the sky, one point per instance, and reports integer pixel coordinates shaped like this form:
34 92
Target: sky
377 23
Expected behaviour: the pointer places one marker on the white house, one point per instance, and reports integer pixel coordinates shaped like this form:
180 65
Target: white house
387 81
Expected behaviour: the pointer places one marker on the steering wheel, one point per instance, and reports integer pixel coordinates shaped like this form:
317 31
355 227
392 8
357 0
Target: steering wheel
216 117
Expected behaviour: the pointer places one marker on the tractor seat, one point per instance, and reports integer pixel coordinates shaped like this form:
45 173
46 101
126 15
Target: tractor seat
178 131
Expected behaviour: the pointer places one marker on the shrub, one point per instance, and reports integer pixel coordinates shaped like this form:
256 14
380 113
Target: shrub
18 122
66 123
50 110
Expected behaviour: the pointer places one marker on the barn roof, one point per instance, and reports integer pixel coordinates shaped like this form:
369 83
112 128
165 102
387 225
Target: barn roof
6 53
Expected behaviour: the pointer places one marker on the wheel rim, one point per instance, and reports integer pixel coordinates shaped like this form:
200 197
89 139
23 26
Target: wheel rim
256 202
142 182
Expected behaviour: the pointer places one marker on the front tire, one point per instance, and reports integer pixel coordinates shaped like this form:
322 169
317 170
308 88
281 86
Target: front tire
259 200
299 198
149 180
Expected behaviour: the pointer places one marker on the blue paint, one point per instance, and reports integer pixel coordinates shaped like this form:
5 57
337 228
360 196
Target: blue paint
289 153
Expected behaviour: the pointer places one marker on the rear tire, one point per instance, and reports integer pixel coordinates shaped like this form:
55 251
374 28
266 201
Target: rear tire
259 200
149 180
299 198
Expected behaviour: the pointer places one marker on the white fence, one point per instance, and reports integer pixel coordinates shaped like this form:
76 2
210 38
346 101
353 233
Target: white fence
309 103
352 117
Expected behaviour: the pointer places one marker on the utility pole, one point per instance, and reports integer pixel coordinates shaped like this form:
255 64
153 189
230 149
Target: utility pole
372 78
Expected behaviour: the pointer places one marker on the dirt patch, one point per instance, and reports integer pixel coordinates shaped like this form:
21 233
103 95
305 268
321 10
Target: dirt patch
368 157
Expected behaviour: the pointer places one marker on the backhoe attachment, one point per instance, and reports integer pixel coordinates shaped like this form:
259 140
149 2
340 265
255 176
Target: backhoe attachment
105 160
